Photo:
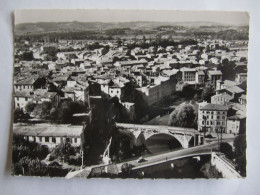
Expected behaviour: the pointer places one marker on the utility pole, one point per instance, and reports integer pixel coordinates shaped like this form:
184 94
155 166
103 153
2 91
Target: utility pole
221 131
82 160
204 128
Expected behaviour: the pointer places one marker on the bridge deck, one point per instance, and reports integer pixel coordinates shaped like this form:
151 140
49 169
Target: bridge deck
157 127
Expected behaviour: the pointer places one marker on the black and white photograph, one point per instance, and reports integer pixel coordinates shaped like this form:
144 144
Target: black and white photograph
158 94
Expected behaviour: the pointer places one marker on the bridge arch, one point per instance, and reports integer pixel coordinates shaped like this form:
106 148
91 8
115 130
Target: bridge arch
162 141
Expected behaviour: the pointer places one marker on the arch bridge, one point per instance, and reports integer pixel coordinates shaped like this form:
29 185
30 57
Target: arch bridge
141 133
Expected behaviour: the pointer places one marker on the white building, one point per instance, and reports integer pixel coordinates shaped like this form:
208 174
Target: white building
50 135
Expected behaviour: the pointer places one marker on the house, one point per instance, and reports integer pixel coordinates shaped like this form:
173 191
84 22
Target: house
43 95
113 87
48 134
76 91
212 118
26 85
225 84
221 98
130 63
213 76
130 108
241 77
242 99
21 99
234 92
200 77
233 125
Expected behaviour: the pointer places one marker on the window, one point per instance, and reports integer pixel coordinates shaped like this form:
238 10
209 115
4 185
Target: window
17 98
46 139
211 122
40 138
202 122
75 140
218 112
217 117
223 117
207 122
223 112
117 91
26 99
211 116
53 139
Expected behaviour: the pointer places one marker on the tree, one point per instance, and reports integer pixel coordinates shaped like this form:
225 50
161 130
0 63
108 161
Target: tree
26 56
30 167
240 153
42 111
227 68
26 157
227 150
30 107
64 112
183 116
188 91
63 151
19 115
207 93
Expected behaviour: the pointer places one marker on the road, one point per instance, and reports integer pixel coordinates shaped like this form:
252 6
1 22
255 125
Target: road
173 155
158 158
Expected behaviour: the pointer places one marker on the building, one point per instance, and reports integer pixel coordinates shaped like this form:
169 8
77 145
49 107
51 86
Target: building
160 88
21 98
233 125
241 77
188 75
130 108
26 85
212 117
43 95
233 92
200 77
213 76
220 98
242 99
225 84
48 134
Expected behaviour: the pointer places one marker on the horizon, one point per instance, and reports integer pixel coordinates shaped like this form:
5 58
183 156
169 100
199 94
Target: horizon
127 16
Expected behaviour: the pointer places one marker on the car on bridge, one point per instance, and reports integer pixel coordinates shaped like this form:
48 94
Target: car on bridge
141 159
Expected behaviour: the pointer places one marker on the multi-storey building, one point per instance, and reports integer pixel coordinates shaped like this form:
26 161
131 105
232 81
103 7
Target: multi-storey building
188 75
220 98
212 118
213 76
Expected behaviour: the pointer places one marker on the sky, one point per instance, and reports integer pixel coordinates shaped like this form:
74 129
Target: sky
83 15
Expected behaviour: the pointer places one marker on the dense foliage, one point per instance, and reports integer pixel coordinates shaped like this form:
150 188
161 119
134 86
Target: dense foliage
27 157
240 153
183 116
